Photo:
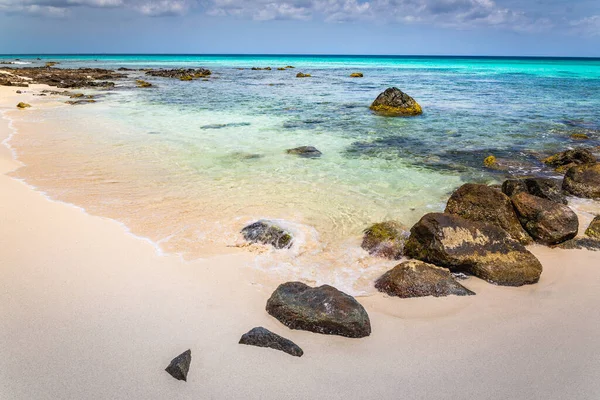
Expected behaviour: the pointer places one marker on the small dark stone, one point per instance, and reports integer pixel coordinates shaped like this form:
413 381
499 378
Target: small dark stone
305 151
266 232
180 365
262 337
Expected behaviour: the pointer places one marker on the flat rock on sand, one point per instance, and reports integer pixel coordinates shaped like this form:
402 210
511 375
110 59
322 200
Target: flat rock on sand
262 337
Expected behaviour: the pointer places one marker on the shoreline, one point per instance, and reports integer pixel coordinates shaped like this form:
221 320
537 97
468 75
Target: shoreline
89 309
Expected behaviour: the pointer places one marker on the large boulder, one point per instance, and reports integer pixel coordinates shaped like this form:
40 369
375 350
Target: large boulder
385 239
594 229
323 309
547 222
485 204
180 365
564 160
418 279
266 232
262 337
583 181
484 250
394 103
546 188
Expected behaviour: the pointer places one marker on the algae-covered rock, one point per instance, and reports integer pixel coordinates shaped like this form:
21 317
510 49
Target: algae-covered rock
305 151
267 232
356 75
394 103
546 221
79 102
490 162
546 188
186 78
485 204
583 181
579 136
262 337
302 75
564 160
142 83
418 279
594 229
22 105
385 239
323 309
178 368
481 249
51 64
513 186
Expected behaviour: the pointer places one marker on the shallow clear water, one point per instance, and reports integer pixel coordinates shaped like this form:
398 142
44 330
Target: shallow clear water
188 164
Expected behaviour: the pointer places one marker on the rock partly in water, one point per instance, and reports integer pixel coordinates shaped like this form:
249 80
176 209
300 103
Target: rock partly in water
567 159
547 222
481 249
579 136
142 83
180 365
22 105
485 204
394 103
419 279
180 73
79 102
594 229
585 243
302 75
266 232
356 75
323 309
68 77
385 239
262 337
583 181
305 151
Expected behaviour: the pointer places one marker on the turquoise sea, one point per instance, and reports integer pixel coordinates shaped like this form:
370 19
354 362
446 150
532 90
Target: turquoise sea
188 164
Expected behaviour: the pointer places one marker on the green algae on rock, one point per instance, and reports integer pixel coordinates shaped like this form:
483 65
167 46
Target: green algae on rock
594 229
356 75
395 103
142 83
385 239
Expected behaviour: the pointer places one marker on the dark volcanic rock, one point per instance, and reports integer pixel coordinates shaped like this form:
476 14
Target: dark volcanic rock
266 232
566 159
180 73
513 186
418 279
323 309
385 239
394 102
305 151
583 181
594 229
180 365
549 189
546 221
485 204
480 249
262 337
581 243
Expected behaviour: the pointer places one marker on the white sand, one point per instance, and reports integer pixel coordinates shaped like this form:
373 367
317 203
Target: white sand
87 311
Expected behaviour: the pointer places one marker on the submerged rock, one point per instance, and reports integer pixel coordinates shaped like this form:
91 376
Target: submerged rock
385 239
78 102
180 365
594 229
356 75
266 232
323 309
546 221
301 75
579 136
583 181
394 102
485 204
305 151
22 105
566 159
419 279
142 83
180 73
262 337
481 249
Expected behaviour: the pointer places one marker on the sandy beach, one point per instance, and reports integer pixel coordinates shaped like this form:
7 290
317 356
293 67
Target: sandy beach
88 311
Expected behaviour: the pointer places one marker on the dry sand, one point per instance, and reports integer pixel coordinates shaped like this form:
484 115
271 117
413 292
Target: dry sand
87 311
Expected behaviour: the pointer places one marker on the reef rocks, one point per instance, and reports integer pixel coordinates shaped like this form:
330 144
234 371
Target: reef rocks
418 279
484 250
546 188
594 229
583 181
567 159
581 243
323 309
69 78
356 75
142 83
305 151
385 239
184 74
485 204
262 337
394 103
302 75
266 232
180 365
80 102
547 222
22 105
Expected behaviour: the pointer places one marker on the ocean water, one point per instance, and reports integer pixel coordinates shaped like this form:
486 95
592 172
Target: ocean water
188 164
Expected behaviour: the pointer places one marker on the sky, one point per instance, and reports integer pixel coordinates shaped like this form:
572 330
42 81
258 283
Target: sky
392 27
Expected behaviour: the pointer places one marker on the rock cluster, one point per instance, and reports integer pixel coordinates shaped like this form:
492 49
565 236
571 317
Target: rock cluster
184 74
66 77
569 158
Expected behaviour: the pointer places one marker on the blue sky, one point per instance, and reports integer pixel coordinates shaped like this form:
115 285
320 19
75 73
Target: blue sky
451 27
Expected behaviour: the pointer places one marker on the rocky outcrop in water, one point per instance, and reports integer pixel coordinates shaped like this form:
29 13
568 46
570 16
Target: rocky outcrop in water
356 75
180 365
323 309
266 232
418 279
567 159
547 222
142 83
546 188
262 337
394 103
481 249
69 78
305 151
302 75
485 204
583 181
180 73
594 229
80 102
385 239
